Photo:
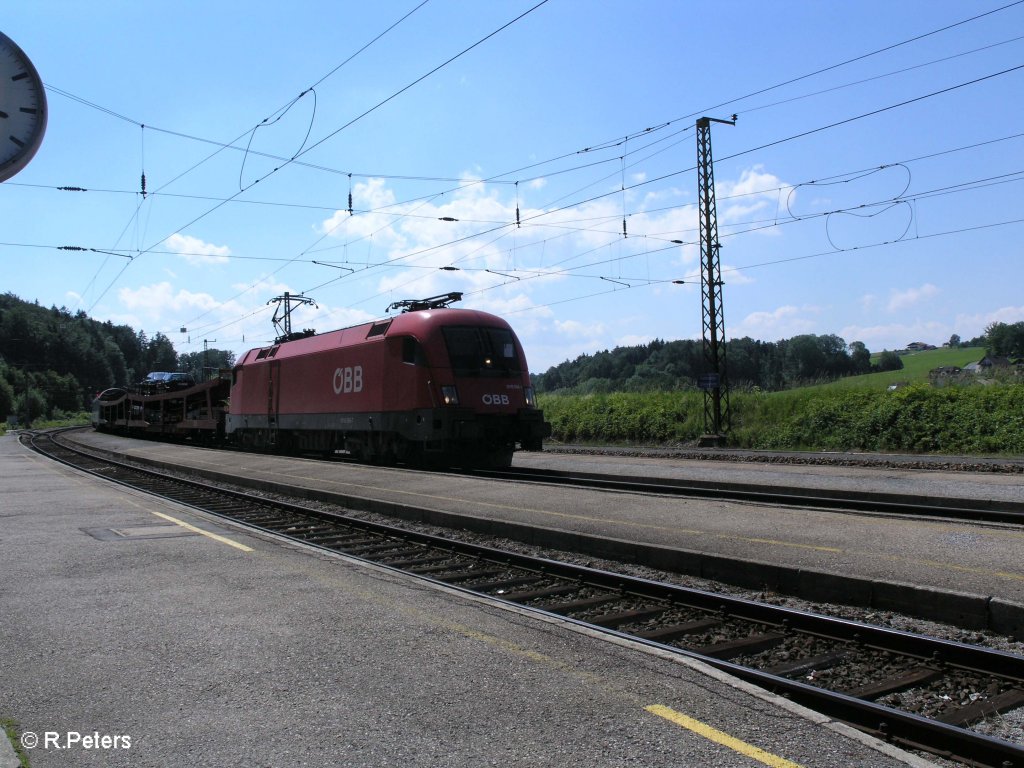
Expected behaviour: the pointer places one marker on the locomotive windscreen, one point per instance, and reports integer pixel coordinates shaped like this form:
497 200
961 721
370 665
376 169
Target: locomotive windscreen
482 351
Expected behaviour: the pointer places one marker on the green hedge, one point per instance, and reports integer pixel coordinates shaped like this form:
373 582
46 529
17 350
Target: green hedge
916 419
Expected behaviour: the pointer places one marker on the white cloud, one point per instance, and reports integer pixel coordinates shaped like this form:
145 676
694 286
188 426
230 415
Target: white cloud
154 300
195 251
577 329
262 285
780 323
969 326
733 276
483 235
897 335
364 230
755 192
331 318
510 270
905 299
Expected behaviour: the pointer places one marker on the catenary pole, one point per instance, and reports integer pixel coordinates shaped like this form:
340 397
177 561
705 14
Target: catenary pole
714 381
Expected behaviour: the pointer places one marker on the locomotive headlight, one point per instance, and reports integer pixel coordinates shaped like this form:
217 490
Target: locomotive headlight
531 398
450 395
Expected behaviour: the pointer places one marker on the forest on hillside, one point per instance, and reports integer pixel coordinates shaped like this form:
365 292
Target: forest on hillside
667 365
769 366
53 361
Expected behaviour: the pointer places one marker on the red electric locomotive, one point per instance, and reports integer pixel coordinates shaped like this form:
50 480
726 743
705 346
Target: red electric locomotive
430 385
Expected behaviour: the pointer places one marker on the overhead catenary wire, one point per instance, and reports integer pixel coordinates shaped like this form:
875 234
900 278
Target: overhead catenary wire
375 107
597 146
577 203
321 80
969 185
384 210
801 77
621 190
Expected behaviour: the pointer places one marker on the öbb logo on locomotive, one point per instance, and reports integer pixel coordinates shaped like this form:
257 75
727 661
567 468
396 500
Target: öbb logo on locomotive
433 385
348 379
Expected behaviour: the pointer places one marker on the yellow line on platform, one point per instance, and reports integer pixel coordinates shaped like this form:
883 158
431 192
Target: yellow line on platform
720 737
207 534
194 529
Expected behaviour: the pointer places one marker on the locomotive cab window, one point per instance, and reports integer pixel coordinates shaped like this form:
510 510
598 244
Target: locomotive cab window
482 351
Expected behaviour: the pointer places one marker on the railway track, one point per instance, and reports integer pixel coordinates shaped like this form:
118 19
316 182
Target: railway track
898 686
991 512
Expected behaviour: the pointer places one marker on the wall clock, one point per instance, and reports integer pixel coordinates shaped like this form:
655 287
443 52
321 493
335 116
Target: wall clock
22 109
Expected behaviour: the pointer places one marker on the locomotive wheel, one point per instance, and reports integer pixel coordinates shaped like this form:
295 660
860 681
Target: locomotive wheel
501 459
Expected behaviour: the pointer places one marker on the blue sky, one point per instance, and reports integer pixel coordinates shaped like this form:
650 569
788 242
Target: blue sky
838 211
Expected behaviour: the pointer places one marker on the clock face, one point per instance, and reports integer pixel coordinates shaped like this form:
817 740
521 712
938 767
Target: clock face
22 109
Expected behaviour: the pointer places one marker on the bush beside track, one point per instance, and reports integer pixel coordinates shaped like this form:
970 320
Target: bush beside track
920 418
80 419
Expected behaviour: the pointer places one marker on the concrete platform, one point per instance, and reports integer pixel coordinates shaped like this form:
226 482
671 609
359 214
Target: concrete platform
970 575
136 632
904 475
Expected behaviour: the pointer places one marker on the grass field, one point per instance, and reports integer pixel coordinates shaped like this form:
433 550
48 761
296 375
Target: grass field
916 366
969 415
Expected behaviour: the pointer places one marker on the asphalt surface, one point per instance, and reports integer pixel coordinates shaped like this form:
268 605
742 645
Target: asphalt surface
131 639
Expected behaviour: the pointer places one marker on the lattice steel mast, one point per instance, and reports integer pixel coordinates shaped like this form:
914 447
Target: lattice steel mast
714 382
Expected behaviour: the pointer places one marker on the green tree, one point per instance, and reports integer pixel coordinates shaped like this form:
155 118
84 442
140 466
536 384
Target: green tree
860 358
29 406
205 364
159 354
954 341
1005 339
63 392
6 394
805 359
889 361
130 345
